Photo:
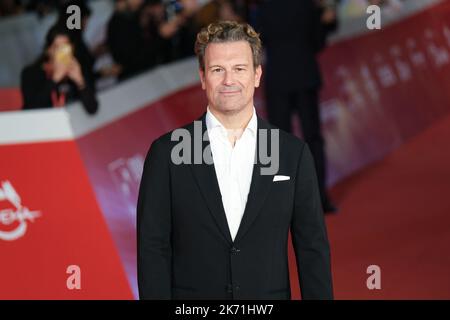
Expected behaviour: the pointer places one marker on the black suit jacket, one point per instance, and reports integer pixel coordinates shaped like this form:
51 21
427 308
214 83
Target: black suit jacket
185 250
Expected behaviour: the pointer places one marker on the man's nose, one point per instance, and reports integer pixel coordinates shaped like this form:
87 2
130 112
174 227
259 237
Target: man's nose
228 78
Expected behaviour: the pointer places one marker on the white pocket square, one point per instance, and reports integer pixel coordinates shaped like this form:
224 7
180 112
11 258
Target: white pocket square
280 178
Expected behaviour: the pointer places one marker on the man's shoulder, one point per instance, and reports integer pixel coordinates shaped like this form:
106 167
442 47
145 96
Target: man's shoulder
287 140
167 140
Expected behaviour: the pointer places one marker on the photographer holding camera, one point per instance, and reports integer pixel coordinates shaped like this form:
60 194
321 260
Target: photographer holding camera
57 77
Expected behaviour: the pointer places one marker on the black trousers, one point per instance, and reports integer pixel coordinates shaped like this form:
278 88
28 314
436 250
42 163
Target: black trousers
280 107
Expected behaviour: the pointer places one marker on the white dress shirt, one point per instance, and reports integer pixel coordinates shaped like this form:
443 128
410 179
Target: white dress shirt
233 166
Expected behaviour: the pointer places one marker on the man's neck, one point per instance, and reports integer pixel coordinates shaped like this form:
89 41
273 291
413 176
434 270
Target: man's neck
235 123
234 120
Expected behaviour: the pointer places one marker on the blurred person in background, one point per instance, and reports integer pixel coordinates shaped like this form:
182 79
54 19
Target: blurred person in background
81 50
328 17
251 12
124 38
217 10
153 15
229 11
142 34
57 77
84 55
180 19
10 8
169 28
43 7
293 34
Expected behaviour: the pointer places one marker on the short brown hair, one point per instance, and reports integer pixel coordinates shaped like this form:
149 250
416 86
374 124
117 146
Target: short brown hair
228 31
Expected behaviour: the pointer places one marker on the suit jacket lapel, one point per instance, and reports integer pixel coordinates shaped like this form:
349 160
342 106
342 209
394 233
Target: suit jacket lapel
206 178
259 188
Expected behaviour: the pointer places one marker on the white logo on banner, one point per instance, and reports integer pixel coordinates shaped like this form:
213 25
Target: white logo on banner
16 213
126 174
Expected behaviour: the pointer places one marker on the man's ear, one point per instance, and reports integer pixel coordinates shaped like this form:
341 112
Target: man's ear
258 73
201 73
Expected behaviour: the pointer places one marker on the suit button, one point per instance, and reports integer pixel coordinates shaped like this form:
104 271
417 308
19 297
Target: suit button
229 288
235 250
237 288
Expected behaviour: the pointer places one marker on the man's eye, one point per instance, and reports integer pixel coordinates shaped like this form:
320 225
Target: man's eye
217 70
240 69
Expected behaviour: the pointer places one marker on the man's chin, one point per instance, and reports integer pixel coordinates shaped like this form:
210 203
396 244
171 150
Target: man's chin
230 106
230 109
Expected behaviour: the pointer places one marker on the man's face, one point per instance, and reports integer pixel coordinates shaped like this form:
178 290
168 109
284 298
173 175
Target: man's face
229 77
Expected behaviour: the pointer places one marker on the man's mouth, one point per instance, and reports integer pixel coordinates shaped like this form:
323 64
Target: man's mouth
229 92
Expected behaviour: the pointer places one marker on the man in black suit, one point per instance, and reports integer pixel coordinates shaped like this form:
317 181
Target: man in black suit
293 34
213 219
